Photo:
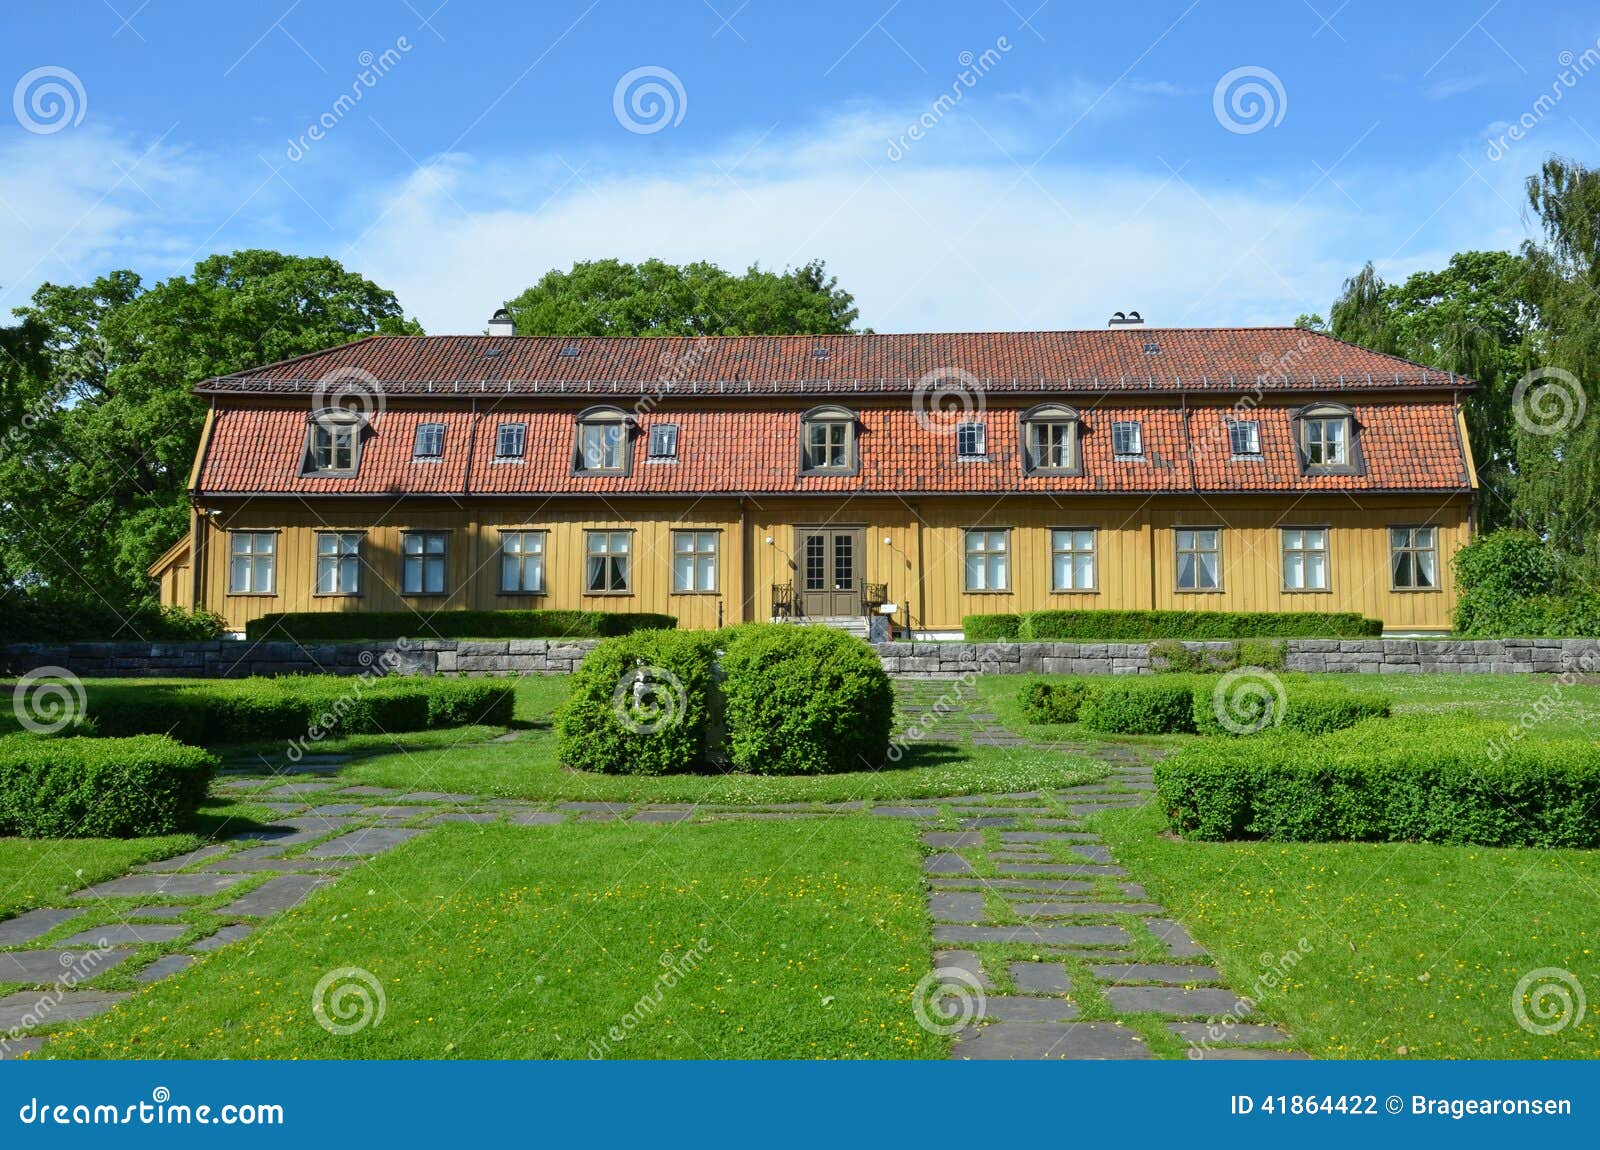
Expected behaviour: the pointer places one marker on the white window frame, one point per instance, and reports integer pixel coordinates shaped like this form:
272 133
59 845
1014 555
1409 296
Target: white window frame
338 557
663 441
1237 425
259 557
1296 550
1072 551
523 550
435 433
972 440
1120 430
518 436
695 559
1319 434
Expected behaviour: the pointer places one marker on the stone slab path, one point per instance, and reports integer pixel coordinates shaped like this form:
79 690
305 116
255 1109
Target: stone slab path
1040 942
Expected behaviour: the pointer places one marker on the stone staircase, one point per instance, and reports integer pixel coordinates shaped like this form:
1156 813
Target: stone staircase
850 624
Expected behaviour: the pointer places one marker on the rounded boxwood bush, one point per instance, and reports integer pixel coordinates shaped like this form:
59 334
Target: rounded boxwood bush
605 725
804 701
1139 706
100 788
1047 701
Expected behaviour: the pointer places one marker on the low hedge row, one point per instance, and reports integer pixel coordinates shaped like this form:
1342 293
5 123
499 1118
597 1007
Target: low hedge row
100 788
42 617
1402 781
763 698
244 710
1145 626
321 626
1181 704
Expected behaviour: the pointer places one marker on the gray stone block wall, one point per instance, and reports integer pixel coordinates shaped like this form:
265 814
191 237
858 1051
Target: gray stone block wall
222 659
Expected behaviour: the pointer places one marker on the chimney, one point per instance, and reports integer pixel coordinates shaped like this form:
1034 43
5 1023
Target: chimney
501 323
1125 319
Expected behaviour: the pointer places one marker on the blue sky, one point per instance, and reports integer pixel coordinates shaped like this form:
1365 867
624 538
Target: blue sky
1090 164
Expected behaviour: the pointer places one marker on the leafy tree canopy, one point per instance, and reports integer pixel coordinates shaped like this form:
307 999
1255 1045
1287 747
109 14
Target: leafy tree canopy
610 297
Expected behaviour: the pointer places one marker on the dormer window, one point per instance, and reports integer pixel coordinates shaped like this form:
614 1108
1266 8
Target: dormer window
429 443
663 441
1325 433
333 442
604 446
1127 440
828 440
510 440
1244 439
1050 440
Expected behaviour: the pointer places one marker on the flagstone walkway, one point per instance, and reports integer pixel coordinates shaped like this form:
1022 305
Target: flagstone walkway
1043 948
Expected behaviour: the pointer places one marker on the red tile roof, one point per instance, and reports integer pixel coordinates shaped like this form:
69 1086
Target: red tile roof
1216 360
1410 445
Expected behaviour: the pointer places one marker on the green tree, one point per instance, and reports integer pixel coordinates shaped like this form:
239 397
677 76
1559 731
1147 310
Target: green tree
94 490
610 297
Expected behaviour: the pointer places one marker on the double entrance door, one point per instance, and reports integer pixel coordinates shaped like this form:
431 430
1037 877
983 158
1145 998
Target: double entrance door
829 579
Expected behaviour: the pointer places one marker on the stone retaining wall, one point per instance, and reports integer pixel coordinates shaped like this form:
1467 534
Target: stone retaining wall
220 659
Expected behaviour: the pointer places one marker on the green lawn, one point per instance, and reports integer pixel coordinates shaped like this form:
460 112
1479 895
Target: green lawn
779 940
1412 950
41 872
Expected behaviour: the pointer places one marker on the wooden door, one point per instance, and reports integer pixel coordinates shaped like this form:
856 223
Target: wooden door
830 575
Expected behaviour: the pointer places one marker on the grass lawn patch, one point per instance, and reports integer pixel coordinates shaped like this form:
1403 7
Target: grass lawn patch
1411 950
796 939
42 872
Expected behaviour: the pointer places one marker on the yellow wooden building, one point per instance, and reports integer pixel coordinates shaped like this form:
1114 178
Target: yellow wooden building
735 478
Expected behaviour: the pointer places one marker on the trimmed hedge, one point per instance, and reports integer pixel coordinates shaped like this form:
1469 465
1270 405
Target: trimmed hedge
1053 701
1172 655
1309 707
804 701
991 628
100 788
42 617
1401 781
322 626
1139 706
295 706
600 727
1144 626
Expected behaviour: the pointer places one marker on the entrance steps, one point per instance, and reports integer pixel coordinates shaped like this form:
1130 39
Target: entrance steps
850 624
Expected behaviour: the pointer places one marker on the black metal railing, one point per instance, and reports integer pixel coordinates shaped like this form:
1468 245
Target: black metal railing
873 596
785 603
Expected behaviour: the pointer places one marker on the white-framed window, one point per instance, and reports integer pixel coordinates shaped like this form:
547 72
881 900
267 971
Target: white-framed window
422 562
429 441
694 561
1414 558
1199 554
510 440
252 562
988 559
333 445
1305 558
522 562
970 438
1326 441
608 562
338 562
1127 439
1072 559
663 441
1050 439
1244 437
602 445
